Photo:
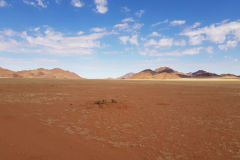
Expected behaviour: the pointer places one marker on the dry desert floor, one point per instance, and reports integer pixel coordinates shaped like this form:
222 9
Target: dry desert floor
138 120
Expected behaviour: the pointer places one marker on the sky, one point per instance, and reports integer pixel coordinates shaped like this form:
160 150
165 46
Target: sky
109 38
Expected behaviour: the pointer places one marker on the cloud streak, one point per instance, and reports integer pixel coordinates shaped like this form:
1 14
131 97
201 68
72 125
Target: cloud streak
191 51
36 3
177 22
126 27
164 43
49 41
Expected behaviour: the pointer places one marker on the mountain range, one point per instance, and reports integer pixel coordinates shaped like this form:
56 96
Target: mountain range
159 73
55 73
169 73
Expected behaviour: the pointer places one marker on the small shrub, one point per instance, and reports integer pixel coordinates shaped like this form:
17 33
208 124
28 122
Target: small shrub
114 101
97 102
104 101
100 102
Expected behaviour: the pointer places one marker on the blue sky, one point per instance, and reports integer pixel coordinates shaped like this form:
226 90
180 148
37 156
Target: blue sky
108 38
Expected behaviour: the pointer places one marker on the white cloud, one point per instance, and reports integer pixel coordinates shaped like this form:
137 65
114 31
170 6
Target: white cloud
177 22
122 26
77 3
216 33
97 29
197 24
139 13
29 3
196 40
3 3
36 3
229 44
154 34
150 43
192 51
8 32
101 6
124 39
132 40
155 52
209 49
127 20
58 1
180 43
164 42
137 26
128 28
80 33
125 9
173 23
159 23
49 41
41 3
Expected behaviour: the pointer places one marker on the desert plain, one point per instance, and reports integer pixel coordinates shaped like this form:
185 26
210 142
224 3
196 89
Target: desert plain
43 119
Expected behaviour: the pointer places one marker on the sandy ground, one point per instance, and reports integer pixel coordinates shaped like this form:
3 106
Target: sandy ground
152 120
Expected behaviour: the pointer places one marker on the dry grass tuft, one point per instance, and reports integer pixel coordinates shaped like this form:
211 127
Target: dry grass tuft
104 101
113 101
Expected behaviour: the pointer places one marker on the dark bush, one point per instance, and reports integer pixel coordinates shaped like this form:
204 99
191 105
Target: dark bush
114 101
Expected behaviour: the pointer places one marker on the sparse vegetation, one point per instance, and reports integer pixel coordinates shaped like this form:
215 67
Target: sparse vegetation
104 101
114 101
121 118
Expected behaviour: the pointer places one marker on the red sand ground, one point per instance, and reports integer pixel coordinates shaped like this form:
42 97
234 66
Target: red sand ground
152 120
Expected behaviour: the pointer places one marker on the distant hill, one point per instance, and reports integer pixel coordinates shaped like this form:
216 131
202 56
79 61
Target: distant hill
145 74
55 73
169 73
230 76
160 73
164 69
126 76
6 73
204 74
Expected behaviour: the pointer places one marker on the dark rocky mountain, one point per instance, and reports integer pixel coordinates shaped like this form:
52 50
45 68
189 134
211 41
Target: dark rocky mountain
159 73
169 73
204 74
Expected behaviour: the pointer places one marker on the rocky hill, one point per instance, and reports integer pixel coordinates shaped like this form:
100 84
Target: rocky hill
169 73
204 74
55 73
4 73
160 73
126 76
